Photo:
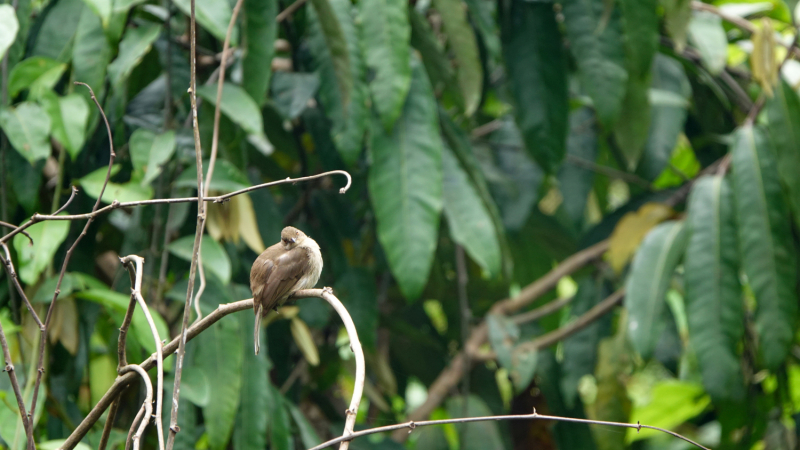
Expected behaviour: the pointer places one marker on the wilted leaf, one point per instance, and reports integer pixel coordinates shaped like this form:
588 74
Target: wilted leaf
407 202
27 127
34 258
385 35
135 44
762 59
305 341
630 231
64 326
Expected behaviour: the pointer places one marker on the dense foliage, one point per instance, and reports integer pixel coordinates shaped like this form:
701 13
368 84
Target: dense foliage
657 141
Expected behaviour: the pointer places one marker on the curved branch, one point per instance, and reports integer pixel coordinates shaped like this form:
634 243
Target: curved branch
148 400
355 345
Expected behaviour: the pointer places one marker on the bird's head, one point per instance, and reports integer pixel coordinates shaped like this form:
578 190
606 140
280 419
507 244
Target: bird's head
291 237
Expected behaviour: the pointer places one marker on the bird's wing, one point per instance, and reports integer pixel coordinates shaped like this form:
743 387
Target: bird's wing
283 273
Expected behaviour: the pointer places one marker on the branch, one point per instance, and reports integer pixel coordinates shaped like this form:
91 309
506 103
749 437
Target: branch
12 375
136 293
12 275
355 345
535 416
8 225
148 400
289 10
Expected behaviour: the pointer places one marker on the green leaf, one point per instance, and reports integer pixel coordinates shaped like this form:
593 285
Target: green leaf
8 28
69 116
219 353
37 73
214 16
33 258
101 8
114 301
707 35
504 336
767 253
196 387
238 106
215 258
405 186
260 31
131 191
537 75
280 435
337 47
135 44
385 35
59 443
783 113
714 304
437 65
27 127
227 177
648 280
91 55
349 119
357 290
575 181
102 372
292 91
149 151
596 43
677 14
308 434
474 435
250 431
461 40
469 222
57 32
671 403
667 116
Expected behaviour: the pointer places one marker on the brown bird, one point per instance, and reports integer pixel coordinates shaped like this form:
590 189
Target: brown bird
292 264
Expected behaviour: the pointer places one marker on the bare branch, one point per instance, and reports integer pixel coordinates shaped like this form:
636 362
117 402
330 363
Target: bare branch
289 10
136 293
12 275
112 414
535 416
355 345
12 375
134 425
8 225
148 400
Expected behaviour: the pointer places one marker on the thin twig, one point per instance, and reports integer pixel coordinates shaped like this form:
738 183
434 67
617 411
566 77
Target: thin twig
134 425
218 199
289 10
534 416
12 375
609 171
43 340
136 292
355 345
12 275
542 311
148 400
8 225
112 414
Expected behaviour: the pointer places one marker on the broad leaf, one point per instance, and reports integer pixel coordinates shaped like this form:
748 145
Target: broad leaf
280 434
670 404
58 30
307 432
677 14
260 29
8 27
783 113
537 74
131 191
405 186
213 15
708 36
469 222
349 119
713 295
219 353
474 435
34 258
215 258
385 35
149 151
597 44
437 65
69 116
227 177
240 108
337 46
27 127
768 254
631 229
292 91
648 280
461 40
37 73
575 181
357 291
102 8
136 43
90 55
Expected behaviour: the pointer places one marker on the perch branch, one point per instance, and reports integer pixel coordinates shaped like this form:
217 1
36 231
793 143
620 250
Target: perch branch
355 345
136 293
148 400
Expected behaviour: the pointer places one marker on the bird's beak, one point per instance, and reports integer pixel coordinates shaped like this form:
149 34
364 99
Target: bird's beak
294 240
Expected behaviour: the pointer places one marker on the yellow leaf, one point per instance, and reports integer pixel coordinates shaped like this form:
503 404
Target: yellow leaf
630 231
64 325
248 226
551 201
102 372
304 340
223 220
763 62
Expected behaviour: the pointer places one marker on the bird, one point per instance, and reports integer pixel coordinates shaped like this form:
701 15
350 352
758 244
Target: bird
282 269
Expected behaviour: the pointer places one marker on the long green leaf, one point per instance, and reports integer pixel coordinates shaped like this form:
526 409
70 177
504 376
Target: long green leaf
349 117
537 75
241 109
90 55
33 259
385 35
575 181
469 222
783 112
461 40
768 254
219 353
250 431
134 46
714 303
438 67
596 43
405 186
337 46
56 35
260 31
69 116
649 278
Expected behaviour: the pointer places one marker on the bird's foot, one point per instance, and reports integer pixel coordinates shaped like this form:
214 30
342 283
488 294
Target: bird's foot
327 290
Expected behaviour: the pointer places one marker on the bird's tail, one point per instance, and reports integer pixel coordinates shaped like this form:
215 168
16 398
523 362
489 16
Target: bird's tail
257 329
